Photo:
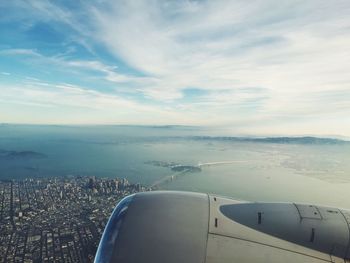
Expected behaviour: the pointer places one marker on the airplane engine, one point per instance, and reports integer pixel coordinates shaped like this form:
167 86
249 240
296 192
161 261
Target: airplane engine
182 227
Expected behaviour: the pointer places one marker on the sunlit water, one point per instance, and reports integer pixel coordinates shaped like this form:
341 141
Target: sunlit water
309 173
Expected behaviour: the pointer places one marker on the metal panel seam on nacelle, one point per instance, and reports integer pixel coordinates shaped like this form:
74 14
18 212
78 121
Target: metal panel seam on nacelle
226 249
221 225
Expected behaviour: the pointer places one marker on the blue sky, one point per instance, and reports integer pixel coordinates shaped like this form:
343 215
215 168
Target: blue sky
252 67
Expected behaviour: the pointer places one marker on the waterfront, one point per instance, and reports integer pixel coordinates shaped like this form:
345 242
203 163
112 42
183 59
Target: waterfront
280 170
58 185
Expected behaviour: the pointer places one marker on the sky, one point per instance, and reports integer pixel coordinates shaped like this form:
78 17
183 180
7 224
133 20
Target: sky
252 67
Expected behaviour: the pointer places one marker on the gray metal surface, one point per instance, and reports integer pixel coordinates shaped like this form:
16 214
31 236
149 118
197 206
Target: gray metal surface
108 241
222 249
164 227
256 242
319 228
346 214
191 227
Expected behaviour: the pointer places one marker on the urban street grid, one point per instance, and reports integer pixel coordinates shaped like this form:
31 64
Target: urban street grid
56 219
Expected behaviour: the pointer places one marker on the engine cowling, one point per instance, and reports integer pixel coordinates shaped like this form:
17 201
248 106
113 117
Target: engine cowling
174 227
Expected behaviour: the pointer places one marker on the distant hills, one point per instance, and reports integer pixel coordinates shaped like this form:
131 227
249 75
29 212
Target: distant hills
16 155
279 140
306 140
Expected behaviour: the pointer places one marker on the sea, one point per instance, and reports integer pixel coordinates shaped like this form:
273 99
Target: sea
275 169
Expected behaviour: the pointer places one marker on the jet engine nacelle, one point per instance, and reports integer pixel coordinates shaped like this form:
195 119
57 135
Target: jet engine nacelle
174 227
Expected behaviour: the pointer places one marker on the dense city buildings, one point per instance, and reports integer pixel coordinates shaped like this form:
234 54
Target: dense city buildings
56 219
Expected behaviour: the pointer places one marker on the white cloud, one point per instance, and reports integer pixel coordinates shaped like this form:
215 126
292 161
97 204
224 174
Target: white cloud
258 61
295 50
94 107
110 72
19 51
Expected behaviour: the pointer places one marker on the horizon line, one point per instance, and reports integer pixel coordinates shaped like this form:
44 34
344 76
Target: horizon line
237 135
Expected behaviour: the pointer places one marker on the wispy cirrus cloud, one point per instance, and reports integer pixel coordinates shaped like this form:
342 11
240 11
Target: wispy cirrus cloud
250 62
296 51
109 73
81 102
20 52
247 44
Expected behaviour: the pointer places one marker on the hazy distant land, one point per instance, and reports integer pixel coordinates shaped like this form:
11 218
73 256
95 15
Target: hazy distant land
284 168
20 155
279 140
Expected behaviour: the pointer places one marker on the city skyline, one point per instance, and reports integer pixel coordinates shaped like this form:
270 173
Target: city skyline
263 67
56 219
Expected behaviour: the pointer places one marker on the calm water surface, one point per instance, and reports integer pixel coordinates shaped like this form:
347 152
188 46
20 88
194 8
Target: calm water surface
310 173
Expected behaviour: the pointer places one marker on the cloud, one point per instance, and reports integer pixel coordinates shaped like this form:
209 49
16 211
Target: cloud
255 62
20 52
6 73
110 73
57 99
293 50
